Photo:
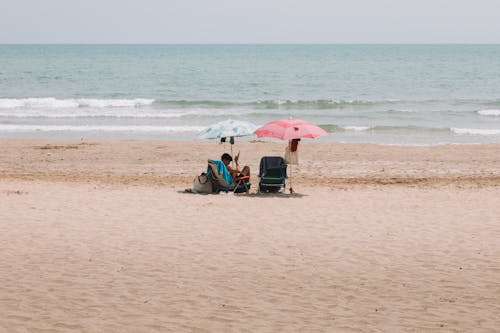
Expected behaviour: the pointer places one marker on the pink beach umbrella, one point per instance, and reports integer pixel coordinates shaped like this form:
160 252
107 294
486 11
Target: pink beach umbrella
289 129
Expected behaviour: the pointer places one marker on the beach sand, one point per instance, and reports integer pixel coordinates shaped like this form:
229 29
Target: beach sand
99 237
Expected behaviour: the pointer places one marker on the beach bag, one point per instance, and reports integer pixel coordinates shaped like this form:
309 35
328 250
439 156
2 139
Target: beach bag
201 184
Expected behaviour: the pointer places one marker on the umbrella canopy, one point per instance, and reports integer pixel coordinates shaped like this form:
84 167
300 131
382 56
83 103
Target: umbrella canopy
227 128
287 129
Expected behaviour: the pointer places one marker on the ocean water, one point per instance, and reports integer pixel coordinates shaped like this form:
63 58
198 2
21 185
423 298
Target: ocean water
389 94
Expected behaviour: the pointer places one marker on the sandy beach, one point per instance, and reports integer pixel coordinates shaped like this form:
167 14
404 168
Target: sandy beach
98 236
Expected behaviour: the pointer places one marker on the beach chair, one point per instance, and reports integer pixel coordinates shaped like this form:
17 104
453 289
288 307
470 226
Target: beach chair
272 173
221 179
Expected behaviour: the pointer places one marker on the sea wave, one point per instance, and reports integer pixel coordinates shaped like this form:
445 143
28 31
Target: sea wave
383 128
126 113
475 131
42 115
318 104
411 129
489 112
390 105
97 128
54 103
357 128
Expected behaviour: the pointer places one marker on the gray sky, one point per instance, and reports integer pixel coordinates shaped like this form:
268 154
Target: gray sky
249 21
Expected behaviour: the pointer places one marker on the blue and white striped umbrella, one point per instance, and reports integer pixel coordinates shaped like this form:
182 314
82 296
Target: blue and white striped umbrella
227 128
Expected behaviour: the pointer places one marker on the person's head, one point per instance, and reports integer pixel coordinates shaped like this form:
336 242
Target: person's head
226 158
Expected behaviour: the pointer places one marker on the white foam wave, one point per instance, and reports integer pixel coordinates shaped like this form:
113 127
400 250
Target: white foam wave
96 128
105 103
54 103
49 102
475 131
403 111
356 128
91 115
490 112
117 113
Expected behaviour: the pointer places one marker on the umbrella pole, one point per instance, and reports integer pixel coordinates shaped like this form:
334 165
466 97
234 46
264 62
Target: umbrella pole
223 149
232 161
289 150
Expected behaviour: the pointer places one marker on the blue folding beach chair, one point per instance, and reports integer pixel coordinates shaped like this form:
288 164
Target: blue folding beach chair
222 181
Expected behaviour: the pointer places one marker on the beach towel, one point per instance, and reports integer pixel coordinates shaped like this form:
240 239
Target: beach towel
292 152
222 170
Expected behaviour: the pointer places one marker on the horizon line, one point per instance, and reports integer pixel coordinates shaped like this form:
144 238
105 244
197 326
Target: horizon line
250 44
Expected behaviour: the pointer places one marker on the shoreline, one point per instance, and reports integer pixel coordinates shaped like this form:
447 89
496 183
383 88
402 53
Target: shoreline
192 139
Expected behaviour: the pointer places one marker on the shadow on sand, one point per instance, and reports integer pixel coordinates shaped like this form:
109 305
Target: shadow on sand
280 195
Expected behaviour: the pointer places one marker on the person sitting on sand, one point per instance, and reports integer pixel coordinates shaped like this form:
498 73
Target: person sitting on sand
235 172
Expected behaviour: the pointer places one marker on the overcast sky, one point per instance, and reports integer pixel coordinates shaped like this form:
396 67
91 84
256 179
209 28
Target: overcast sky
249 21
